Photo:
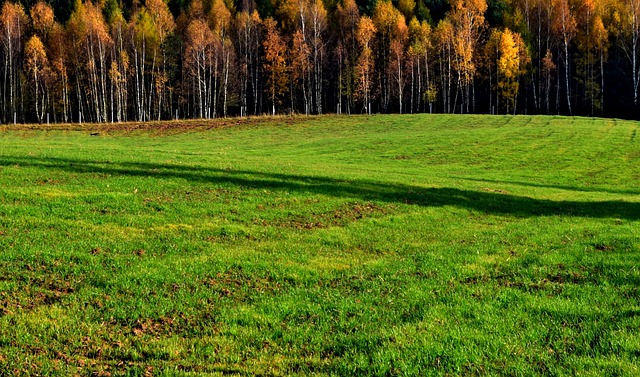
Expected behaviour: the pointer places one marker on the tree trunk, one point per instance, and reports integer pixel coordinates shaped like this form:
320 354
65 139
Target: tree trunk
566 74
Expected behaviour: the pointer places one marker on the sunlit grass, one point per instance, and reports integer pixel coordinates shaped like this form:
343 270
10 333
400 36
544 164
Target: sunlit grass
460 245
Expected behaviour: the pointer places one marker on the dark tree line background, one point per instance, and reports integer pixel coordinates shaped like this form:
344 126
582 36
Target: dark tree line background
112 61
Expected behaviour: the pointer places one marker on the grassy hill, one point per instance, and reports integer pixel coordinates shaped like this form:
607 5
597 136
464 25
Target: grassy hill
384 245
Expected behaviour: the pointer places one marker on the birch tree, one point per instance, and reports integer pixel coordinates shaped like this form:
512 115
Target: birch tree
40 53
12 21
220 23
300 68
318 15
119 71
397 63
248 37
629 20
163 25
199 61
513 57
467 17
364 69
275 64
564 26
444 36
37 66
419 52
386 19
92 44
348 17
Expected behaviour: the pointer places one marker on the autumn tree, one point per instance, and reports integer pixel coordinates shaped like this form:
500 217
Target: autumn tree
419 52
592 42
318 15
306 20
288 13
406 7
629 30
139 35
364 69
548 68
467 17
37 67
163 26
248 39
275 63
300 67
297 22
148 31
119 71
199 61
538 16
387 19
601 46
398 59
220 20
45 47
12 21
445 42
58 51
348 18
564 26
92 43
491 55
513 57
42 19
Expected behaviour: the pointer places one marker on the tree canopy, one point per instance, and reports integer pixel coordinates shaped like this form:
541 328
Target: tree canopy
110 61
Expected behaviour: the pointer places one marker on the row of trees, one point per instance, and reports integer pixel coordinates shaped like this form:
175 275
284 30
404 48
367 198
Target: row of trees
213 58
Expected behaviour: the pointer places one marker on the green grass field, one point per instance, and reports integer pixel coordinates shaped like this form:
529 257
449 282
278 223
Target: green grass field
385 245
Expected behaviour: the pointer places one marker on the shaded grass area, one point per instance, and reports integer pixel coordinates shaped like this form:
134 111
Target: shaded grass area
330 246
487 200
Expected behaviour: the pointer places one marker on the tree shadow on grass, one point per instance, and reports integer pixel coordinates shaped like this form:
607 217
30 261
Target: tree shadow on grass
368 190
559 187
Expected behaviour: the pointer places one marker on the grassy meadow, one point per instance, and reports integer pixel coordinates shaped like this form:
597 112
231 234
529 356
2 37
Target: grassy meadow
347 246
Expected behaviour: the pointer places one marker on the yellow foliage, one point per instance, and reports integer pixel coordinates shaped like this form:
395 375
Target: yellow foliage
35 53
364 69
513 57
42 17
407 7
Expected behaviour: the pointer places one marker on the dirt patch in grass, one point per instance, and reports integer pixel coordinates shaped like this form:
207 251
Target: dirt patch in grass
504 192
47 181
30 299
149 326
342 216
36 285
235 282
158 127
552 281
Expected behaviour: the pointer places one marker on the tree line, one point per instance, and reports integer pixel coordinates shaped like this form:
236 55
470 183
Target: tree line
106 61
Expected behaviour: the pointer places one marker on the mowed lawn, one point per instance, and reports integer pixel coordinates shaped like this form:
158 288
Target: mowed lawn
384 245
